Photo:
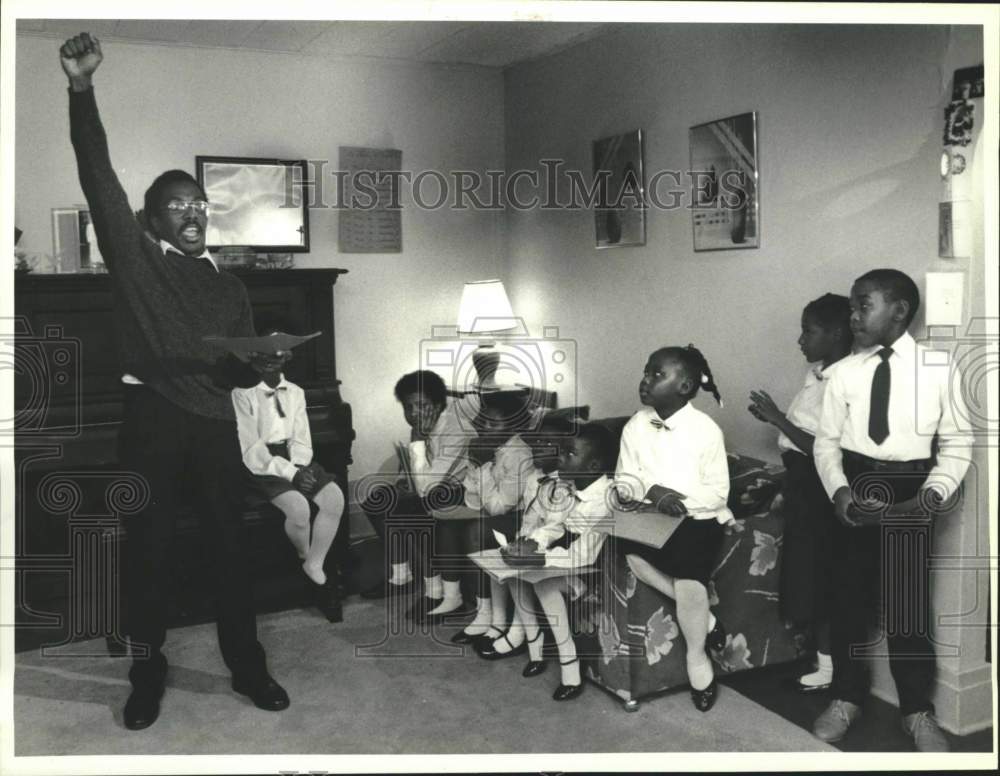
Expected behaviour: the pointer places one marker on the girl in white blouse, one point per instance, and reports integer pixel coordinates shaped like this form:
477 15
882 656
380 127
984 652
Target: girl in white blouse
673 458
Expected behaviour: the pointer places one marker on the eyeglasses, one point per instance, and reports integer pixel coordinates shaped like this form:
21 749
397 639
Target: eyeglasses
181 206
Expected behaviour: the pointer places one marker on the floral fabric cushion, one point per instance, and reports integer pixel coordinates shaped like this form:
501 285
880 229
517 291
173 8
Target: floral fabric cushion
631 634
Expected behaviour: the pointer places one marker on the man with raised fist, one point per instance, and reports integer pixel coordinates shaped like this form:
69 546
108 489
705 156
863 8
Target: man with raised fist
178 416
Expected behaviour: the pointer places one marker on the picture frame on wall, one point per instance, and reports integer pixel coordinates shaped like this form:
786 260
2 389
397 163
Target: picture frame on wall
725 202
619 215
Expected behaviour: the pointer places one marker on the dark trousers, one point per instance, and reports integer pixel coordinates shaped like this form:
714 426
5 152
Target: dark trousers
806 560
410 533
185 459
887 562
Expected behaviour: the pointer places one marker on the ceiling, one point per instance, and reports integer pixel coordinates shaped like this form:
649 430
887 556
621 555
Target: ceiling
490 44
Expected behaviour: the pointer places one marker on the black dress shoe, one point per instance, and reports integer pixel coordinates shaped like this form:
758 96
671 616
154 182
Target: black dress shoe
705 699
328 601
142 707
465 638
489 651
265 693
383 588
567 692
418 612
716 638
534 668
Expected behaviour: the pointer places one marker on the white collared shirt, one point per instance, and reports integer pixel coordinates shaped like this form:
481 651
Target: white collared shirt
445 452
687 455
559 507
806 408
925 398
498 485
259 425
168 248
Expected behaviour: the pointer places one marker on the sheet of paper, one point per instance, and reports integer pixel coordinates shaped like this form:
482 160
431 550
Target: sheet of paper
271 344
501 539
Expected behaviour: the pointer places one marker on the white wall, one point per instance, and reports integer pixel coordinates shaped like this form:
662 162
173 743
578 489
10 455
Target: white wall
850 131
163 106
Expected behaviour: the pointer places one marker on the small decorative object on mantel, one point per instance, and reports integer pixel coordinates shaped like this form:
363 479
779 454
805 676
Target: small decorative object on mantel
274 261
620 216
724 200
235 257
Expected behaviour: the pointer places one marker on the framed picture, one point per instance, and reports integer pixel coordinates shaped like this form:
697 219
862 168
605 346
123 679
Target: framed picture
620 215
724 184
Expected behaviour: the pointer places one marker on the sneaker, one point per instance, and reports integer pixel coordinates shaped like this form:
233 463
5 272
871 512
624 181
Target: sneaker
926 733
833 724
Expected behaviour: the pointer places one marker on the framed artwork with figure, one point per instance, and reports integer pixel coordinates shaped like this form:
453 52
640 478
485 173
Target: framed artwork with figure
620 215
724 184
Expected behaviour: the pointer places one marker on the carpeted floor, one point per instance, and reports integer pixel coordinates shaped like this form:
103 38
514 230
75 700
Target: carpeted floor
356 688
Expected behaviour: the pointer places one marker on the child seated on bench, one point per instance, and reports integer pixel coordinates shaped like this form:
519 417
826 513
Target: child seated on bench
439 440
562 523
273 429
495 488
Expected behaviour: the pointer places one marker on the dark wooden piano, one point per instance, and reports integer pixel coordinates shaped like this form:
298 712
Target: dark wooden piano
71 494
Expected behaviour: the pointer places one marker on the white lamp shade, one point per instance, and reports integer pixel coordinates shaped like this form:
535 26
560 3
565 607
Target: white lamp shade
485 308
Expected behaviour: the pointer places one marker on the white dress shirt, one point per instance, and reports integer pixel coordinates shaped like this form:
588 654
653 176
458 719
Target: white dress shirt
167 247
687 455
559 508
925 398
807 406
444 453
259 425
498 485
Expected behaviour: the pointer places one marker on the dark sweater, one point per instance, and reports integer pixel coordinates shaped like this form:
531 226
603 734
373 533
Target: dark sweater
165 303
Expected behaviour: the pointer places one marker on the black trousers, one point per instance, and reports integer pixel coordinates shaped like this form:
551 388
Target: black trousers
888 563
806 557
433 546
185 458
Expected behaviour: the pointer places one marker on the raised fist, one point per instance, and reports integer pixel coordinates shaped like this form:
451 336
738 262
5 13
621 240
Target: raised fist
80 55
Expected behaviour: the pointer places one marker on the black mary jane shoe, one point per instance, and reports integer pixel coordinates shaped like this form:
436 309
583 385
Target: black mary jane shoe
567 692
466 638
716 638
489 651
534 668
265 693
705 699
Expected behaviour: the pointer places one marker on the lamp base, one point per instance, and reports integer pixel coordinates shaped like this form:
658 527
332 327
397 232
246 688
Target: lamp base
486 360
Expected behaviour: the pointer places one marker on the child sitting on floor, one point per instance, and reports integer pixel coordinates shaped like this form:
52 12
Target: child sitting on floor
277 449
562 524
673 456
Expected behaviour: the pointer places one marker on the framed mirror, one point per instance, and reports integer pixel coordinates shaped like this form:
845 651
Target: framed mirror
260 204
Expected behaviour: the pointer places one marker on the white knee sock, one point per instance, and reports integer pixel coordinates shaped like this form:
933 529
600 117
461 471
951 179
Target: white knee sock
401 574
484 616
450 600
515 636
823 673
699 669
432 587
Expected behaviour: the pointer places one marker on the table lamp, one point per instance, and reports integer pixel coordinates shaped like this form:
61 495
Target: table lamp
485 310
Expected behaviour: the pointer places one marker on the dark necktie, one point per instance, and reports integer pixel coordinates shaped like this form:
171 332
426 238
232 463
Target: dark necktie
277 403
878 413
658 424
